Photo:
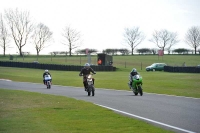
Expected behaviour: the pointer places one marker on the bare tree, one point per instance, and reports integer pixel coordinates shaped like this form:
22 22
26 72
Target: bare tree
133 37
41 35
4 36
20 26
192 37
72 38
164 38
174 40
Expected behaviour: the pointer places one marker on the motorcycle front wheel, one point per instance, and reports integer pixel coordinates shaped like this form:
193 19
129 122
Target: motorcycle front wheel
89 91
140 90
48 85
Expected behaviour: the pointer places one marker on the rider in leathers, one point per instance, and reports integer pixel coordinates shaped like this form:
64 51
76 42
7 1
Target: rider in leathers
132 73
85 71
46 72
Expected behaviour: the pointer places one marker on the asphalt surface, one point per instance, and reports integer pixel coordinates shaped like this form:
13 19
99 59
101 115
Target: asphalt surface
179 114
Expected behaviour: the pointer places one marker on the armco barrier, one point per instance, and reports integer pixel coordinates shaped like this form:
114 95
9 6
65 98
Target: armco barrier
182 69
53 66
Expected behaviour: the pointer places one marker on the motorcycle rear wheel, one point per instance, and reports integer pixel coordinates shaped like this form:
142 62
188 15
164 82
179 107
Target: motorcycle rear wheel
48 85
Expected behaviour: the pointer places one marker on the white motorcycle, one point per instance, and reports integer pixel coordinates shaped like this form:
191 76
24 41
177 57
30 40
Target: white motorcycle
47 79
90 85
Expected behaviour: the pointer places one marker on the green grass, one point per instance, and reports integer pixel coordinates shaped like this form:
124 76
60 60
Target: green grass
28 112
123 63
180 84
32 112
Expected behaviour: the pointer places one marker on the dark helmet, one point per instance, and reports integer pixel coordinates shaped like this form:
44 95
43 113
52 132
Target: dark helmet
134 71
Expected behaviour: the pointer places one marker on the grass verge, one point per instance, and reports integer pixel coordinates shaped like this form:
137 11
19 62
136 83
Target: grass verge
28 112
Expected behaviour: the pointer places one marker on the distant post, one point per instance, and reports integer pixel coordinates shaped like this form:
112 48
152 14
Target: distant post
160 53
88 55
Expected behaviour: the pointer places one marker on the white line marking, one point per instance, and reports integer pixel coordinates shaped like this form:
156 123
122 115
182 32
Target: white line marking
5 79
160 123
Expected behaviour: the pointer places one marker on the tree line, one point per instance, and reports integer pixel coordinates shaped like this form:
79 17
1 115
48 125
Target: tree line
18 26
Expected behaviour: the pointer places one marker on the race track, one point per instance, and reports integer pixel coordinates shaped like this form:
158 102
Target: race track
179 114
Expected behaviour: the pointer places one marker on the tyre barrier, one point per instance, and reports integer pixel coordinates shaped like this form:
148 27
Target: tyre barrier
178 69
53 66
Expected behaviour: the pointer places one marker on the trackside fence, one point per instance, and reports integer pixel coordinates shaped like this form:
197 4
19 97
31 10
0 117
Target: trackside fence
53 66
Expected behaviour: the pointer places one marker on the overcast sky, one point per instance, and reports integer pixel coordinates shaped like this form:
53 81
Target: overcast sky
102 22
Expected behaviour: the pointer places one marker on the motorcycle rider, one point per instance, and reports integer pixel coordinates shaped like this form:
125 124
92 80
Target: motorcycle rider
46 72
85 71
132 73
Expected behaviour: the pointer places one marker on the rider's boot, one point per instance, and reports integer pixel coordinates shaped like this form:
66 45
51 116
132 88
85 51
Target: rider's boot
129 85
85 87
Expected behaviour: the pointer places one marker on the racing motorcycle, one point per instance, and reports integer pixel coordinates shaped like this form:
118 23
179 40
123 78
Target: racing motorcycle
90 85
47 79
136 85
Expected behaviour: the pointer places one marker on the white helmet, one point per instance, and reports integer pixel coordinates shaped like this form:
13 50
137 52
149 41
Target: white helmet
87 65
46 70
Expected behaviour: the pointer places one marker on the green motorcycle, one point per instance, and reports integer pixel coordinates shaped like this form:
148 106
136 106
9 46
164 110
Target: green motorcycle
136 85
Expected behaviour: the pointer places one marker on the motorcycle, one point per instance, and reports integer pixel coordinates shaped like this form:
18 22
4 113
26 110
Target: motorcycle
47 79
136 85
90 85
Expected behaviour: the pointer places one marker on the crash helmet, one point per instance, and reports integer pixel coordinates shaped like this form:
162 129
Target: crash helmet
46 70
134 71
87 65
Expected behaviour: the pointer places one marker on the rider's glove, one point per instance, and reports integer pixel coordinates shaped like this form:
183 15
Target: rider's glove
94 73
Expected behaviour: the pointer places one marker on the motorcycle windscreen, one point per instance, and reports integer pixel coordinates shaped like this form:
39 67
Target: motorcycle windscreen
137 79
